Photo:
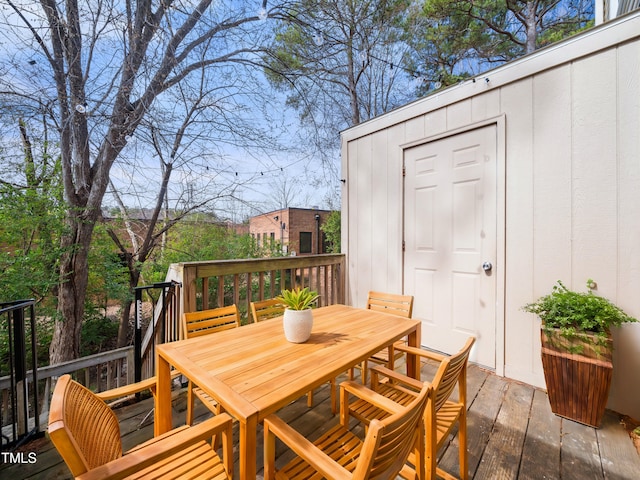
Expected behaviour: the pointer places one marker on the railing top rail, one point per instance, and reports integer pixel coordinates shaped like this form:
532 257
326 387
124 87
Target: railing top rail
238 266
16 305
157 285
74 365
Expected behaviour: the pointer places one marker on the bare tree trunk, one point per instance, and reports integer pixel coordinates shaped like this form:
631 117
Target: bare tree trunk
74 275
123 328
531 24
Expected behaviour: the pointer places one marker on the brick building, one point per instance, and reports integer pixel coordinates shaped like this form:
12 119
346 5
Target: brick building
296 229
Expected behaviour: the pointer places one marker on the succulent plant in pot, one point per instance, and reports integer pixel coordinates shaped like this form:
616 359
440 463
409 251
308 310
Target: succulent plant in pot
298 298
298 317
577 350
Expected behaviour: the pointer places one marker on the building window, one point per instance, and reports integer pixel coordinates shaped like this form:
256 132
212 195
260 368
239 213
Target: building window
305 242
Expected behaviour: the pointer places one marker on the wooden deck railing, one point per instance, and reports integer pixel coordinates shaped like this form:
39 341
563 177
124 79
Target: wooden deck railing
218 283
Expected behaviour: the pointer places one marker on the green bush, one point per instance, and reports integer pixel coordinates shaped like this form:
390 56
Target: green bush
98 334
578 313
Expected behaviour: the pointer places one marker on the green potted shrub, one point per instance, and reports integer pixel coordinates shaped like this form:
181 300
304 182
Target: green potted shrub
577 350
298 318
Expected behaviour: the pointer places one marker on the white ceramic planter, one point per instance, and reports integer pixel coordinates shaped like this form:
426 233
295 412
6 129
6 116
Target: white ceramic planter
297 325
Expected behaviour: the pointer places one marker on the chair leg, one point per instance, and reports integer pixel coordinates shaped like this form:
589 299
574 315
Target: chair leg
310 399
334 396
364 373
216 441
462 445
269 454
430 451
420 450
190 403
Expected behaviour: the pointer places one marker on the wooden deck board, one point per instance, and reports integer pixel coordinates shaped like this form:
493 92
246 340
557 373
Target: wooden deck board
483 411
615 449
512 435
579 453
542 442
501 457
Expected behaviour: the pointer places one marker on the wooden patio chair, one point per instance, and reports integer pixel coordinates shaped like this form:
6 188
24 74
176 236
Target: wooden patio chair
400 305
339 453
442 412
200 323
86 433
266 309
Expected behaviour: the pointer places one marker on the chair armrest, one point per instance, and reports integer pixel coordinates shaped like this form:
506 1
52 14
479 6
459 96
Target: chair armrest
419 352
132 388
127 390
397 377
370 396
304 448
142 458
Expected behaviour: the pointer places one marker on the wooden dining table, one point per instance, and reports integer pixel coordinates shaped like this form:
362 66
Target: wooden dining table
253 371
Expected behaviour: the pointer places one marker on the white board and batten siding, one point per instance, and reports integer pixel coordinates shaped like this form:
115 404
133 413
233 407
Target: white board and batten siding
567 163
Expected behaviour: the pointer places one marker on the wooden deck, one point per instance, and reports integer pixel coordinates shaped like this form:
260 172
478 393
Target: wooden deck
512 435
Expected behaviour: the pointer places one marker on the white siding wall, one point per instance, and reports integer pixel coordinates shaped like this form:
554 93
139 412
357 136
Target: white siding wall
572 191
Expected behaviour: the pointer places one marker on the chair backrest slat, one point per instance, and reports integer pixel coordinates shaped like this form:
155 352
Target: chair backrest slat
448 374
266 309
401 305
209 321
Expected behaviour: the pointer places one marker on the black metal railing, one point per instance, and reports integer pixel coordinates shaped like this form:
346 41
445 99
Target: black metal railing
20 415
163 325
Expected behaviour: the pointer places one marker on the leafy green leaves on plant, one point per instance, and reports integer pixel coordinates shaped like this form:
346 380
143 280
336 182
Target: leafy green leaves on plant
577 313
298 298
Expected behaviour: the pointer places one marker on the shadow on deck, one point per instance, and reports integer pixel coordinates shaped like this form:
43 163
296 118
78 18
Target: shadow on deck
512 435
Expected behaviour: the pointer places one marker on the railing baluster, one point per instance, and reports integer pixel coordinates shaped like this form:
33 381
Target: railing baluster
261 286
205 293
273 283
236 289
248 296
220 290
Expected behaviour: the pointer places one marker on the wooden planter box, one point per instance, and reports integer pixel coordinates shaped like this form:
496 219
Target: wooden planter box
577 384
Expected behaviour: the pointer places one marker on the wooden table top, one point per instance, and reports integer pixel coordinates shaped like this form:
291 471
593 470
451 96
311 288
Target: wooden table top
255 370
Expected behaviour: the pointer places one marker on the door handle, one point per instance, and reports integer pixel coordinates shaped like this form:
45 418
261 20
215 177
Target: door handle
486 266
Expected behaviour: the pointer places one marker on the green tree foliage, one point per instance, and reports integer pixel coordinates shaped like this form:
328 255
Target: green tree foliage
31 223
194 240
32 213
335 59
455 39
331 228
107 273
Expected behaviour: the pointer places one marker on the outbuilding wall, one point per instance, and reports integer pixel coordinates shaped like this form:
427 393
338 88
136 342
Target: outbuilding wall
569 200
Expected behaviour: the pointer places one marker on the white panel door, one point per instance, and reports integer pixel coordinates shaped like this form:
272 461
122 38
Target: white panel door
450 241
